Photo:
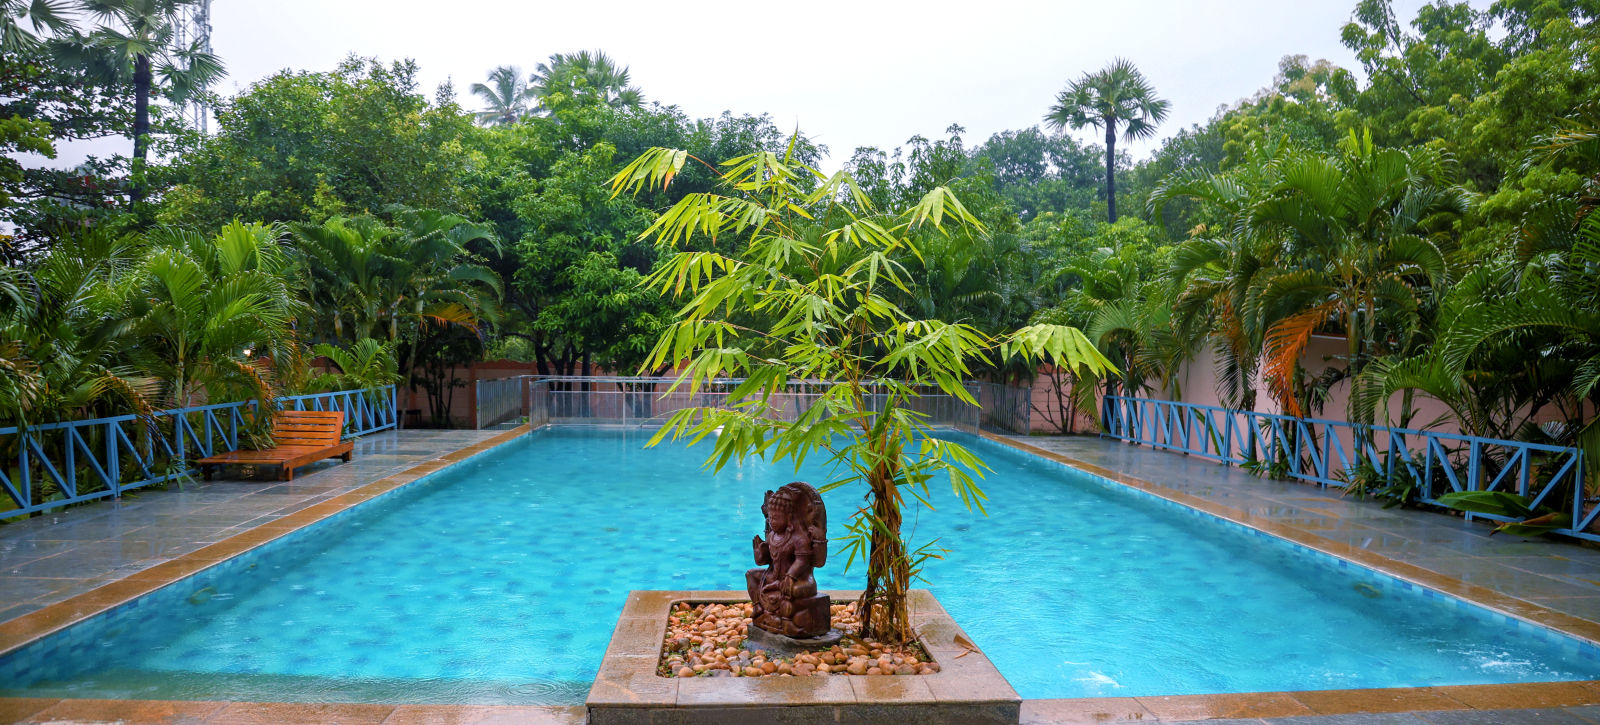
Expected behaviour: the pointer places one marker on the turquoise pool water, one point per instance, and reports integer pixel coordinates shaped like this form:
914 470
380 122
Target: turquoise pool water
499 580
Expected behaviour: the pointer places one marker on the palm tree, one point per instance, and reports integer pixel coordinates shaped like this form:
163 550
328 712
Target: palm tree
204 306
62 341
1362 237
46 17
138 36
506 94
437 283
583 75
347 272
1211 275
1116 96
369 279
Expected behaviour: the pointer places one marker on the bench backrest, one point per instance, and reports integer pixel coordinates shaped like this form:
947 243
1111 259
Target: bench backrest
307 427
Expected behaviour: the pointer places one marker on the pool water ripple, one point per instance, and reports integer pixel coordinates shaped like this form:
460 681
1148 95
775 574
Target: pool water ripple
499 581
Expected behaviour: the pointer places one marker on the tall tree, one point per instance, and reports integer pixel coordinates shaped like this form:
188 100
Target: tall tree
45 17
1117 96
139 35
804 301
506 94
585 74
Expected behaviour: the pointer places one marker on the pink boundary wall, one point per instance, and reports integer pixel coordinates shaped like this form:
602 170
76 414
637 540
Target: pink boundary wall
1198 384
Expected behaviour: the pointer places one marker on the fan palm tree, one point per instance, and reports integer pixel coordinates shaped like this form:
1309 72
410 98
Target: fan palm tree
584 75
46 18
1116 97
135 40
506 95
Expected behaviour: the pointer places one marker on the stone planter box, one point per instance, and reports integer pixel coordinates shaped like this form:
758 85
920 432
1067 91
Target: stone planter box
967 689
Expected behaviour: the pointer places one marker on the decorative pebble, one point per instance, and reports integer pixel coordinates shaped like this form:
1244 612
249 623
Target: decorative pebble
707 640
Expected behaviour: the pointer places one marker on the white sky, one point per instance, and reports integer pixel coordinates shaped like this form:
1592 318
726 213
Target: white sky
848 73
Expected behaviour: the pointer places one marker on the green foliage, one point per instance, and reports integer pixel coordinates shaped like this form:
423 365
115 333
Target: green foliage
201 307
506 95
583 77
807 298
367 364
302 147
1116 96
1500 503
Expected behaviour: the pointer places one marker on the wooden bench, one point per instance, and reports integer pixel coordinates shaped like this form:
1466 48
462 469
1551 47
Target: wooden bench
302 437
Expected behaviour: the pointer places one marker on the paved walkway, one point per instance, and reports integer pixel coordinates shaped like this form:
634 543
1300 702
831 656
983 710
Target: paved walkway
48 559
1560 574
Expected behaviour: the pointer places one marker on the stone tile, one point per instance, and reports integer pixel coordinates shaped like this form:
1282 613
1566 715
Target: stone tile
18 610
741 691
1591 714
19 709
20 589
1389 718
1244 705
631 681
1502 717
1084 710
1398 699
128 711
1518 696
882 689
278 713
1226 721
485 715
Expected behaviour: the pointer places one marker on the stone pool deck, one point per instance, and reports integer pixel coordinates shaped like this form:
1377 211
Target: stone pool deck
48 559
58 569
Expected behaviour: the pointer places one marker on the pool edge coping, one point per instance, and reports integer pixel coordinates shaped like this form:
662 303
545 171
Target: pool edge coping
1154 708
36 625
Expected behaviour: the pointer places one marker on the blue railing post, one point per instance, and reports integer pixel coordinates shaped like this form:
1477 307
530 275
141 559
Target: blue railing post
1148 421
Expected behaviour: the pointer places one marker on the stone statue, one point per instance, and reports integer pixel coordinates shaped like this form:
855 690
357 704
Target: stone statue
785 593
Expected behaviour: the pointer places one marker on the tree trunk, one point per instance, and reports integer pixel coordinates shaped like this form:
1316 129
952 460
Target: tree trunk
411 370
141 124
1111 171
884 615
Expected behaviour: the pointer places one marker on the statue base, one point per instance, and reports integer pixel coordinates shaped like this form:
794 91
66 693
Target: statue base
772 643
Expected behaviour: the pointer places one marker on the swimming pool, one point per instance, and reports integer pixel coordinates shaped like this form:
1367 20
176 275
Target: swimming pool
498 580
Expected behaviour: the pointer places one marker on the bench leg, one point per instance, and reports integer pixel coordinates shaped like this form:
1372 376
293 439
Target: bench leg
346 457
205 472
288 473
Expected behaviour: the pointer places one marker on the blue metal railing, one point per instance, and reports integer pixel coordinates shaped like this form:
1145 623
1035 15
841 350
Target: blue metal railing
365 411
50 465
1330 452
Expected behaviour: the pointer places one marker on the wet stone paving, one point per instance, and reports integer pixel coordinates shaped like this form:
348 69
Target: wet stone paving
49 558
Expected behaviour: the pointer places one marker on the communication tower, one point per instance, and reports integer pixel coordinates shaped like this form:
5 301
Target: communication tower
194 30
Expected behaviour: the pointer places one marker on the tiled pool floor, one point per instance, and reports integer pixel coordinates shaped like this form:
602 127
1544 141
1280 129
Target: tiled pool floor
1562 575
50 558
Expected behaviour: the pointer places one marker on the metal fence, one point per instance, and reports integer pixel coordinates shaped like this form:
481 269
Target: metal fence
1334 453
500 401
647 401
50 465
365 411
1007 408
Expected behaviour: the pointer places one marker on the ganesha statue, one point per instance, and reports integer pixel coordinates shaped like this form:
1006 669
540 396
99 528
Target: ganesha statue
784 594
